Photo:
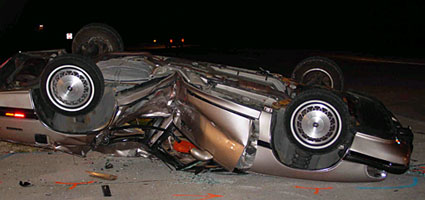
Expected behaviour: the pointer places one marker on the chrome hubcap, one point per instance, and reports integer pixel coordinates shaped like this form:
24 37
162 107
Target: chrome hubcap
315 124
70 88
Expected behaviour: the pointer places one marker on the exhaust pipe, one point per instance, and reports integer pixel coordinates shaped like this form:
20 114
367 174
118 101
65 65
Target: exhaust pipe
200 155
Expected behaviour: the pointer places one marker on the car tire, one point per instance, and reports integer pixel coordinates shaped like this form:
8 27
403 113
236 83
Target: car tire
95 40
72 85
316 130
319 71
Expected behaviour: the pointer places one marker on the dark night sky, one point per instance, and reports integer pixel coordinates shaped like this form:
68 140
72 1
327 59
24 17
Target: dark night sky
389 27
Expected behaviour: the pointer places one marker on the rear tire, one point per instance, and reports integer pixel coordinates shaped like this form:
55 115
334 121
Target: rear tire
319 71
315 133
71 85
95 40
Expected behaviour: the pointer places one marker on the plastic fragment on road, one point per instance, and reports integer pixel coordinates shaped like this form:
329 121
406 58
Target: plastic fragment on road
108 165
102 175
106 191
183 146
24 184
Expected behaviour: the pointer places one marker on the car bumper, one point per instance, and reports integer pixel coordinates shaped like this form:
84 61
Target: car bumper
381 141
391 155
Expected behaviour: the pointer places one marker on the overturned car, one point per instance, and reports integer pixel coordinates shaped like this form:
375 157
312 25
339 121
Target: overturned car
198 116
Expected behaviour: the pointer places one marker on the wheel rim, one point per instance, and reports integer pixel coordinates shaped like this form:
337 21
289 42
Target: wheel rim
70 88
316 124
317 76
96 46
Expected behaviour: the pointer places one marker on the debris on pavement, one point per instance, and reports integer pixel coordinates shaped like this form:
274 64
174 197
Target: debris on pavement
102 175
417 170
24 183
108 165
106 191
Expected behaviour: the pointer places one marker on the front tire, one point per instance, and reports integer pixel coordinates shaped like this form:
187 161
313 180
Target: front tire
71 85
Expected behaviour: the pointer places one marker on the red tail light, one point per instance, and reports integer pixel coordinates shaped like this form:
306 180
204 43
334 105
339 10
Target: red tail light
17 115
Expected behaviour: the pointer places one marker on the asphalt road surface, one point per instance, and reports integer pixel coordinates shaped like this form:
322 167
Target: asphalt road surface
55 175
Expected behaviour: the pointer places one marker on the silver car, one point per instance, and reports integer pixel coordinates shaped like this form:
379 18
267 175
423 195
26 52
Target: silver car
198 116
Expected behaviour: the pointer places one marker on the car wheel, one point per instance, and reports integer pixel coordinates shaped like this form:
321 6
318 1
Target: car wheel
71 85
315 133
319 71
94 40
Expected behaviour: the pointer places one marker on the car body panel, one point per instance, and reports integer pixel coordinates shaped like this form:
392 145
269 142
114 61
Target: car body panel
218 130
344 171
22 99
25 131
